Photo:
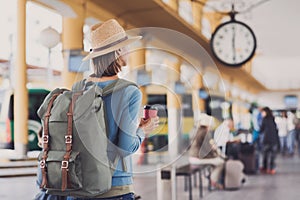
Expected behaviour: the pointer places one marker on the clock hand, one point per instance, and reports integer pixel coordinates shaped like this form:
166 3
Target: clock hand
233 44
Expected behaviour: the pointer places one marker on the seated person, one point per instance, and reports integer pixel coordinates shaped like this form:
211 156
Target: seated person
224 135
204 151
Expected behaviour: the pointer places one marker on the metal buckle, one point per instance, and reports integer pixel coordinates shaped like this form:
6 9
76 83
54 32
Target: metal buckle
68 139
64 164
45 139
42 164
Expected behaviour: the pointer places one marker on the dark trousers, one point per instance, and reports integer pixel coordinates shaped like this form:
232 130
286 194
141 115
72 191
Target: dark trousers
44 196
129 196
269 156
298 139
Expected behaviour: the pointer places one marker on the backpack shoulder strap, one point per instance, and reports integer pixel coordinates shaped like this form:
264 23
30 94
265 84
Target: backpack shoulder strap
80 85
117 85
43 108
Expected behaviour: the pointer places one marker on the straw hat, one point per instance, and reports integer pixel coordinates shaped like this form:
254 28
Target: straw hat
108 37
205 120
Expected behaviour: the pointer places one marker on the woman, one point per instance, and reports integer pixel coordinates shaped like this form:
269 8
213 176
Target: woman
204 151
126 130
270 141
282 125
291 121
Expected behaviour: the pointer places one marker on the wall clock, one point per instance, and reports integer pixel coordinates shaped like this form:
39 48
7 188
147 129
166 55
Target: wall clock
233 43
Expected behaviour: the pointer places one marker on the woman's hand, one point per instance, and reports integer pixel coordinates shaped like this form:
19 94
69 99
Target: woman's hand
148 125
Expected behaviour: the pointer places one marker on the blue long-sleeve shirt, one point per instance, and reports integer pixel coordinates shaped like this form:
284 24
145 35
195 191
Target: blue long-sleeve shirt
122 119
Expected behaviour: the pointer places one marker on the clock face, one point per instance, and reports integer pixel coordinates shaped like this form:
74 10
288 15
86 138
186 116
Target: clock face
233 43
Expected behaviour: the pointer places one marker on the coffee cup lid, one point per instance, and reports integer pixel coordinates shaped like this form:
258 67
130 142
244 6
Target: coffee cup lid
149 107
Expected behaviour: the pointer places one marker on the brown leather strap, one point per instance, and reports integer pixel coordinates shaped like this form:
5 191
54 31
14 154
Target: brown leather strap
64 171
68 142
43 169
45 139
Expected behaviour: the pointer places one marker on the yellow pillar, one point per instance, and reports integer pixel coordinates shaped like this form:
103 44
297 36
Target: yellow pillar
21 94
72 39
197 10
173 100
240 110
144 95
214 19
174 109
228 95
173 4
198 103
137 61
248 66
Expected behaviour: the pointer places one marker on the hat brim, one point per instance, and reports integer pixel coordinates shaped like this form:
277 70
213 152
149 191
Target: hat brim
113 48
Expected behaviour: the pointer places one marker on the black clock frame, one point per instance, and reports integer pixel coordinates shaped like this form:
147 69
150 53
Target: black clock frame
235 64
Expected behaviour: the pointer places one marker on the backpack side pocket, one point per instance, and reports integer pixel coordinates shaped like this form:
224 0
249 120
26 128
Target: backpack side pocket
54 164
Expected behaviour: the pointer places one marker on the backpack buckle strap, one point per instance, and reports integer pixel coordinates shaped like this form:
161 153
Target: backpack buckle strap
64 164
45 146
43 167
45 139
65 169
42 164
44 173
44 180
64 174
68 139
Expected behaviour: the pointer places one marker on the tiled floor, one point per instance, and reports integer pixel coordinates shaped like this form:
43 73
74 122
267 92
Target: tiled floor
282 186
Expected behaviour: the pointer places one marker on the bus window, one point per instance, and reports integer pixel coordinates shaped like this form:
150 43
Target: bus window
35 100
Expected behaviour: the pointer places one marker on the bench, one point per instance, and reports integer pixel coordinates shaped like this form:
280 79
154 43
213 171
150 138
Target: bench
188 171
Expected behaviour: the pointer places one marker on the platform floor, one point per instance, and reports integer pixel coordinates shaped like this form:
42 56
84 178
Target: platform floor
282 186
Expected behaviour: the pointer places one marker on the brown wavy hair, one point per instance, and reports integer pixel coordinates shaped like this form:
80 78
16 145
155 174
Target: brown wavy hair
108 64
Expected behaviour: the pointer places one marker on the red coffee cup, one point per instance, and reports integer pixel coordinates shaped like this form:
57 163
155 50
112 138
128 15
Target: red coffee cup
149 112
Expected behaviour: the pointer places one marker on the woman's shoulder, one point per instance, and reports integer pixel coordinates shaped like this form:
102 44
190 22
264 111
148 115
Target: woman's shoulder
132 90
268 119
132 87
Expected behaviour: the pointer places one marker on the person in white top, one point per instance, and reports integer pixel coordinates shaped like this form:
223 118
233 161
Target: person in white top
282 125
223 134
291 132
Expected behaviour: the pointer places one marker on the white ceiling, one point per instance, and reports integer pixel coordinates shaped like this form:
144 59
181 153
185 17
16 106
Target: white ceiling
276 24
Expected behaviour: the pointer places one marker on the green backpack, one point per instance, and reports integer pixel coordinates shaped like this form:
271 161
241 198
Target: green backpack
74 159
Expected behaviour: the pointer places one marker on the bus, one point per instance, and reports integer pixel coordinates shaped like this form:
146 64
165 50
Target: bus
36 98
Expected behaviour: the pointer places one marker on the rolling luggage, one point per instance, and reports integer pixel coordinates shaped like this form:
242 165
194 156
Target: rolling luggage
248 157
232 150
233 176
